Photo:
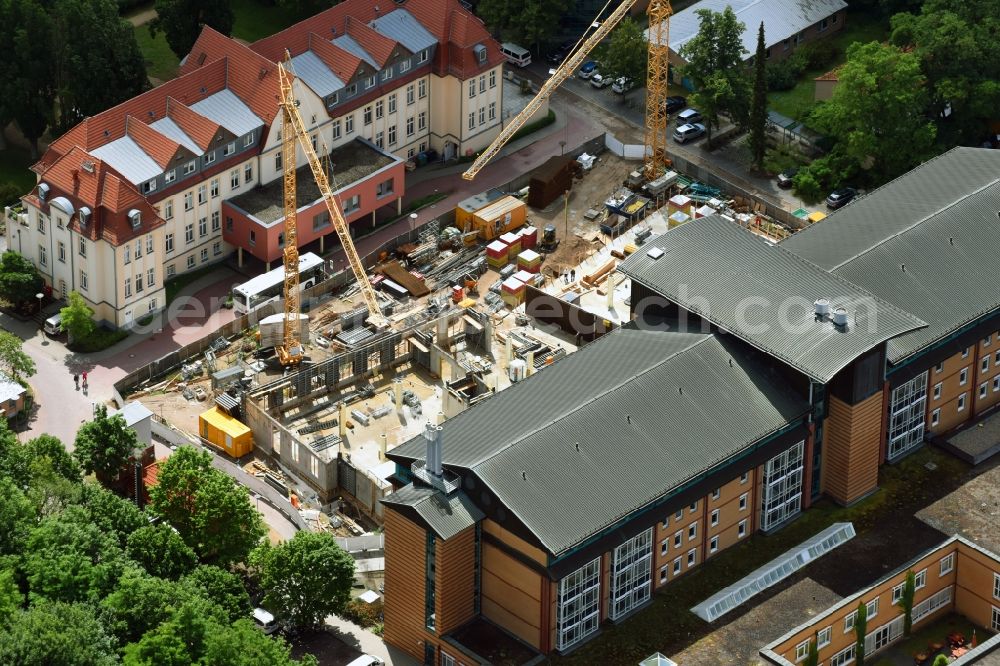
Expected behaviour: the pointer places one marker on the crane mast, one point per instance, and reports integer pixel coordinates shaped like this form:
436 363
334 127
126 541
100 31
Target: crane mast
290 350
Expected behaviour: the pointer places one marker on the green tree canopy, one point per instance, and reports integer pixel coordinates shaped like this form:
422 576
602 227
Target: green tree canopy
19 279
181 21
48 446
77 317
529 22
876 114
305 579
104 445
161 551
56 634
715 66
224 588
11 599
115 515
626 53
140 603
242 644
30 86
17 517
758 107
210 510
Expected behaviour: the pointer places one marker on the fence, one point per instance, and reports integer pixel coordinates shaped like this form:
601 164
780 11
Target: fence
628 151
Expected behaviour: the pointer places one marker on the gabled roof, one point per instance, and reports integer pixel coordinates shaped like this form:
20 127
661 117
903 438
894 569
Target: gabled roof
352 46
343 64
401 26
170 129
377 45
782 19
445 515
607 430
160 148
926 241
316 74
764 294
226 109
200 129
128 159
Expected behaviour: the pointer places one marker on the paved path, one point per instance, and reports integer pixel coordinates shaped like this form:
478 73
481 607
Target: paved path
368 643
142 17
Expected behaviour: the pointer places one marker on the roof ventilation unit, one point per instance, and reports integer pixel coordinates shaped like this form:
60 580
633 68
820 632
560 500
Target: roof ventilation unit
840 318
135 218
87 166
84 216
43 191
654 253
822 308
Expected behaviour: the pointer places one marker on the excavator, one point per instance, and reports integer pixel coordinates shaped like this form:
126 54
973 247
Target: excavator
291 351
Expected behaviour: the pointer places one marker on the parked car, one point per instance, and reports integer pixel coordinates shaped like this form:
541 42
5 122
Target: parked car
786 177
587 69
688 132
674 103
601 81
841 197
622 85
557 56
688 116
367 660
265 621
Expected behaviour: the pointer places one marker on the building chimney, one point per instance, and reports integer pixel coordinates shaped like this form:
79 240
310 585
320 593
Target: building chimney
432 435
530 358
382 446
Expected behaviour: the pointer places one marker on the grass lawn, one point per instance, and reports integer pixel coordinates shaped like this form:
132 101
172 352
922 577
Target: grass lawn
667 625
174 285
256 19
14 164
795 103
161 63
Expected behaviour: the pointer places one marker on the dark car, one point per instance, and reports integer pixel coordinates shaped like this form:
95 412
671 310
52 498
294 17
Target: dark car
674 103
786 177
840 197
557 56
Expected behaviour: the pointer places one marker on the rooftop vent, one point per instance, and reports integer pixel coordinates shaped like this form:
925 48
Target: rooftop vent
135 218
840 318
43 191
87 166
654 253
822 308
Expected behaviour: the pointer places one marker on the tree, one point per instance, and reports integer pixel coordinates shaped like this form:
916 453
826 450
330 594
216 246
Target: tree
116 516
139 604
876 114
242 644
812 658
860 631
627 53
48 446
210 511
161 551
758 108
305 579
715 66
104 445
181 640
941 660
77 317
30 89
19 279
181 21
17 517
13 360
11 599
906 602
529 22
56 634
224 588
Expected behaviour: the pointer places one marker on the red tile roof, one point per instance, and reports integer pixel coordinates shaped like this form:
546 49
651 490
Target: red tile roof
342 63
154 144
201 130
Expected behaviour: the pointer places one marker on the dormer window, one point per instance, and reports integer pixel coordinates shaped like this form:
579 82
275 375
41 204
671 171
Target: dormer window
84 217
248 140
422 57
170 176
480 52
189 167
229 150
209 158
386 74
352 89
149 186
135 218
370 82
43 192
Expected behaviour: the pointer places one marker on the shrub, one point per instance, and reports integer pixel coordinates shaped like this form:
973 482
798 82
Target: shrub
781 76
363 614
781 157
818 55
98 340
807 186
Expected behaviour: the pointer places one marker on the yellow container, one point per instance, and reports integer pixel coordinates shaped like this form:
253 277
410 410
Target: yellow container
225 432
499 217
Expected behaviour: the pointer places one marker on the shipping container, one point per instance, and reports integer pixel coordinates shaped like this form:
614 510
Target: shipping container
499 217
225 432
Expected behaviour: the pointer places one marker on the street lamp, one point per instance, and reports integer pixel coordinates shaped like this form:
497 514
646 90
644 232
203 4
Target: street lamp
413 221
39 296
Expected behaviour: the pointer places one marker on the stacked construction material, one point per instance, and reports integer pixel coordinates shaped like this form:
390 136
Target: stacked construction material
513 242
529 238
512 292
497 254
679 202
529 261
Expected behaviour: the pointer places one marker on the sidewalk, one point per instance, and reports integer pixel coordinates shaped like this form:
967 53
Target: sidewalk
369 643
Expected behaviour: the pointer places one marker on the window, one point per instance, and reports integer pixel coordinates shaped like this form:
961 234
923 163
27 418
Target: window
352 90
996 586
663 574
987 340
742 529
986 364
482 115
349 125
472 121
367 115
379 109
204 254
229 149
982 389
823 637
352 204
392 103
996 384
248 173
996 357
692 555
849 621
126 257
824 24
234 179
782 487
961 402
190 261
679 515
447 659
744 477
171 271
844 657
392 135
404 66
209 158
189 168
380 139
312 119
152 304
202 227
422 56
578 605
43 259
138 249
906 416
336 129
188 201
630 574
409 94
743 501
248 140
678 537
138 284
936 416
216 248
493 79
170 176
202 194
493 110
802 650
216 222
716 493
472 88
421 88
872 608
692 531
370 82
663 547
693 508
422 121
386 74
939 367
128 287
149 244
189 233
715 517
62 252
277 161
946 565
963 376
253 238
82 249
168 209
920 580
713 544
677 566
149 186
384 188
965 353
995 619
937 391
83 280
168 243
41 224
409 127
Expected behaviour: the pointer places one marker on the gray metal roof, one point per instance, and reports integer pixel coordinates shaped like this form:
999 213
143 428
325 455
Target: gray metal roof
168 128
649 411
764 294
229 111
127 158
308 67
939 217
347 43
401 26
134 411
445 515
782 19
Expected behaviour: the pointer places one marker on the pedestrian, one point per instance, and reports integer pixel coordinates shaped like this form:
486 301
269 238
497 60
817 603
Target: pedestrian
84 379
76 380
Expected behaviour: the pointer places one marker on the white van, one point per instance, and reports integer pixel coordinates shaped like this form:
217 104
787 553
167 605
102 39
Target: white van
516 54
367 660
53 325
264 621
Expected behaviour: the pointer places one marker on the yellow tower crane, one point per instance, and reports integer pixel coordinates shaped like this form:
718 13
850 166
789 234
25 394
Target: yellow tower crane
290 352
659 12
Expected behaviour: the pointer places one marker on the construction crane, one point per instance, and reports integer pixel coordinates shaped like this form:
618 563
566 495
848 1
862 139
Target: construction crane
290 351
659 12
